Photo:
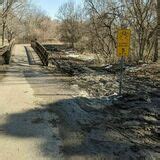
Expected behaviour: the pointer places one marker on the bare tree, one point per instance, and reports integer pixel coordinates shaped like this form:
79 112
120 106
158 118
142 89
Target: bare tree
70 28
6 8
102 24
35 24
8 13
157 44
141 17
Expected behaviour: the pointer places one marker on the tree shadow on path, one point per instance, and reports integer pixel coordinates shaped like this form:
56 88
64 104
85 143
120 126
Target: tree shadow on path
74 128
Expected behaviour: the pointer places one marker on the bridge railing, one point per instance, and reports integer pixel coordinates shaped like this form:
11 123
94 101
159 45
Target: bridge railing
41 51
6 51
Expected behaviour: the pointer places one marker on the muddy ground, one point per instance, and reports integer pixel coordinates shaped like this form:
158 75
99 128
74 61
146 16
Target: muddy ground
98 124
102 125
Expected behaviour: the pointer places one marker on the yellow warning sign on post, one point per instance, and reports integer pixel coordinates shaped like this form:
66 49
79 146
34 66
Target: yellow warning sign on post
123 42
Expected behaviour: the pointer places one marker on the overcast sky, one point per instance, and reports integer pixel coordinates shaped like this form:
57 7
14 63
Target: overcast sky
51 6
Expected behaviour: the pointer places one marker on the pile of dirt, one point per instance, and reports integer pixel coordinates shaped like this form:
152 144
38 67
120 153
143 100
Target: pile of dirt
113 127
97 85
141 79
69 65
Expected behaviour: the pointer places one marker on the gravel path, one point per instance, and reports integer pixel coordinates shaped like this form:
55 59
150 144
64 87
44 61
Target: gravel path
25 131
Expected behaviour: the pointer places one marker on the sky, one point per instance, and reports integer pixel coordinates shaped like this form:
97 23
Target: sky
51 6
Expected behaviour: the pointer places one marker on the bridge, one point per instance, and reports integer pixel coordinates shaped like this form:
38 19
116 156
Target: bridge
25 87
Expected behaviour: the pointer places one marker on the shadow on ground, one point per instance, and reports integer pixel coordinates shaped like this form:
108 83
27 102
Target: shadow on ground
83 128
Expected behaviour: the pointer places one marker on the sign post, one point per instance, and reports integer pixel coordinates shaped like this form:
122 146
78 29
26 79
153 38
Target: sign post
121 75
123 46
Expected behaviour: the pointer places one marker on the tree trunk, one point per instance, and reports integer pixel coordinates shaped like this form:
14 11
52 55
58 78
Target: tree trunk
157 44
155 56
3 33
72 45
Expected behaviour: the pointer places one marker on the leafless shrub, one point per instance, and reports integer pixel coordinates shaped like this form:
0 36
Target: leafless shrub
101 21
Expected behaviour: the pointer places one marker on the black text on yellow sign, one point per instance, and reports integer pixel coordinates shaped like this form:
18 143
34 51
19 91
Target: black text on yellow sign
123 42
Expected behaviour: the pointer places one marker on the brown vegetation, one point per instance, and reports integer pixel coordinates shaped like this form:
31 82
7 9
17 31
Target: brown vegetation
23 21
90 27
97 30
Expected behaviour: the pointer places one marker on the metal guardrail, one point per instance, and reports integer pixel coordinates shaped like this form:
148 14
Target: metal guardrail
41 51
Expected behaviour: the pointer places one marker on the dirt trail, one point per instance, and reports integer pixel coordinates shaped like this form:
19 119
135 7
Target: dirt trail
25 131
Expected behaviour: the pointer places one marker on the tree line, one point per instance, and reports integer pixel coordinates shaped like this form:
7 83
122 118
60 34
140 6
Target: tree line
24 21
93 27
89 27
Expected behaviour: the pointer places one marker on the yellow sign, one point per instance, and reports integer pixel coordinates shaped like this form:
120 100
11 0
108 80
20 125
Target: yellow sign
123 43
